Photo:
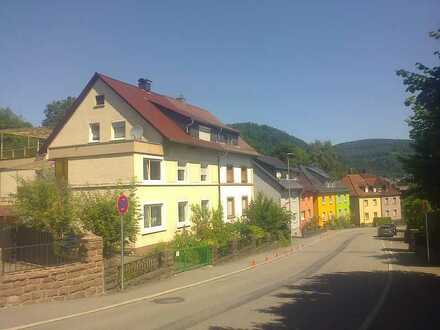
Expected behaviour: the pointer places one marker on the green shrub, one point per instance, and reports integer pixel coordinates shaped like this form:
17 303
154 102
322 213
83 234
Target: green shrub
268 215
340 223
414 212
46 205
379 221
98 214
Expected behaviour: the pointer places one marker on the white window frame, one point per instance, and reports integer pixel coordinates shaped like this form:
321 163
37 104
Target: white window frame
151 230
113 130
96 101
187 217
91 134
162 167
235 208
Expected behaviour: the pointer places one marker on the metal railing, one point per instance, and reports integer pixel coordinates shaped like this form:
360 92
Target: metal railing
194 257
18 153
26 257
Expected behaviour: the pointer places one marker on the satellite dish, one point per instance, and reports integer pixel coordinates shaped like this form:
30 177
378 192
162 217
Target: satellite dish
137 132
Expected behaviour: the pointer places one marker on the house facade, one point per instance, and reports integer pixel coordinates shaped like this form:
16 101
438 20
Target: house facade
330 199
271 178
372 197
174 153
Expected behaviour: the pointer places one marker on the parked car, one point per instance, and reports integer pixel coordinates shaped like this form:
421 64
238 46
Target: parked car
388 230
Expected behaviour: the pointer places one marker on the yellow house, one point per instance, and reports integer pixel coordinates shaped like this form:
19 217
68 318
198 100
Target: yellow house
176 154
365 199
324 208
326 193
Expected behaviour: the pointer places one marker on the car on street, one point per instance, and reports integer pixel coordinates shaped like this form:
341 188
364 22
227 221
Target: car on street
388 230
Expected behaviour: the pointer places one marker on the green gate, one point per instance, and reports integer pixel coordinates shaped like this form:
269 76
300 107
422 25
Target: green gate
190 258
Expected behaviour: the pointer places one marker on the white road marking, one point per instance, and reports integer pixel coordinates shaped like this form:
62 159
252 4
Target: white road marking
149 297
375 311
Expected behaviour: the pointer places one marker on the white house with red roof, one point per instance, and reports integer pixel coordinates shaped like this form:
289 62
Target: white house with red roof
176 154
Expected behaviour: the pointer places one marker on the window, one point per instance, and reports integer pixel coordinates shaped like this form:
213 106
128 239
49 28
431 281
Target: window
374 202
231 207
386 201
204 133
339 211
205 204
118 130
153 216
330 198
204 172
181 169
365 202
324 215
387 213
244 175
230 174
394 200
151 169
94 132
323 200
331 215
182 212
309 213
100 100
395 212
303 215
375 214
367 216
244 204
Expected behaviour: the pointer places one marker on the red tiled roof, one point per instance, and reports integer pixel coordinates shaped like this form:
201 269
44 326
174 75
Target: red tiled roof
149 105
356 182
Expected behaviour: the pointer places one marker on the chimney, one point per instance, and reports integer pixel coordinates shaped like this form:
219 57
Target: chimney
181 98
144 84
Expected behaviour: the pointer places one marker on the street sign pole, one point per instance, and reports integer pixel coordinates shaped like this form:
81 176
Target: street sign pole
122 251
122 206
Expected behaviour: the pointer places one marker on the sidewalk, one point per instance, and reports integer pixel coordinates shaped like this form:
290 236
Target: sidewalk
22 315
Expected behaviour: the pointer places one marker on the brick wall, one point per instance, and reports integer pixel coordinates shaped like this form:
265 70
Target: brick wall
80 279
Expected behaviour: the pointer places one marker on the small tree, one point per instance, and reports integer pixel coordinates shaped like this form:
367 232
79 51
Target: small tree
56 110
98 213
270 216
46 204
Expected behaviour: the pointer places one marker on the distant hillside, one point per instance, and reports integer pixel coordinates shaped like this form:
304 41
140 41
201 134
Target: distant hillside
377 156
265 138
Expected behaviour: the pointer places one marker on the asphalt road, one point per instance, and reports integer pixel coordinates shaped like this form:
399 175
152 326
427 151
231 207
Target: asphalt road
350 280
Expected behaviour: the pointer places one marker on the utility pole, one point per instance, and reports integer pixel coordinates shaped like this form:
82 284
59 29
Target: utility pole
290 195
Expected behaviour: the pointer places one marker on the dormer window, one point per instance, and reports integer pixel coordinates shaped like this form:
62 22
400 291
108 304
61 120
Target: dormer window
204 133
100 99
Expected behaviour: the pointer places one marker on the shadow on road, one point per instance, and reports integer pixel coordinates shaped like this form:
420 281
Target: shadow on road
343 301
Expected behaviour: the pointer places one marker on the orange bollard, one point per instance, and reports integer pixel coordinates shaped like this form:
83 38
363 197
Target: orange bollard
253 263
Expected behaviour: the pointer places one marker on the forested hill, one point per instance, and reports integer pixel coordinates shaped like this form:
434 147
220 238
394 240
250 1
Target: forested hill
378 156
265 138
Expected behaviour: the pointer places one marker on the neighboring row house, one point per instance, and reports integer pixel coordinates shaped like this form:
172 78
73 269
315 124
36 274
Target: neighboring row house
272 178
175 153
372 197
323 199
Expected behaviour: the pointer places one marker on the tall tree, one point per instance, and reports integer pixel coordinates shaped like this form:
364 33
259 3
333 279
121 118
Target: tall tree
56 110
424 101
8 119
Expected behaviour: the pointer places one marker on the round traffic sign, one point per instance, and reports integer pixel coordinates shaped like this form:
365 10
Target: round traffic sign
122 204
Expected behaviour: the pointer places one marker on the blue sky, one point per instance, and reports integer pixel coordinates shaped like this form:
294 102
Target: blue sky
316 69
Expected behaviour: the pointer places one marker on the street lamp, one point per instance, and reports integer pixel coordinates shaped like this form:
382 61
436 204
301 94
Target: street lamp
290 198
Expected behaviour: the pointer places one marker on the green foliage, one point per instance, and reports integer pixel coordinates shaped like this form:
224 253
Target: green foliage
47 205
265 138
56 110
377 156
311 226
98 213
414 212
340 223
379 221
8 119
424 101
268 215
324 155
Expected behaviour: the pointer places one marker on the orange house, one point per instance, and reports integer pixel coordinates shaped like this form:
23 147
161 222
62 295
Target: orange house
306 208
